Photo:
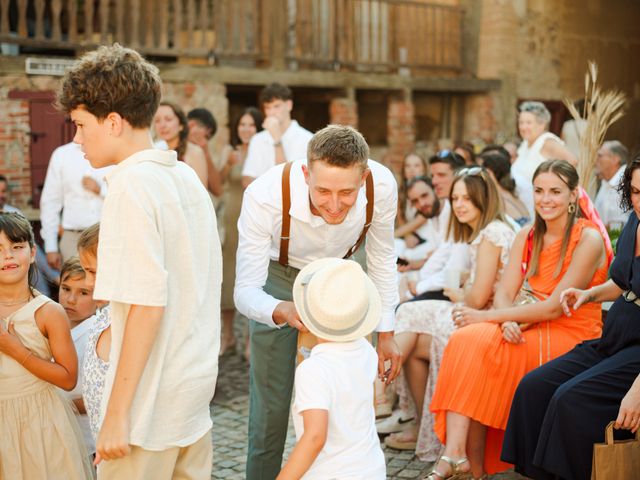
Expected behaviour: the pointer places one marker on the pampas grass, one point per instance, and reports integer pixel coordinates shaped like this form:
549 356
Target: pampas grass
601 110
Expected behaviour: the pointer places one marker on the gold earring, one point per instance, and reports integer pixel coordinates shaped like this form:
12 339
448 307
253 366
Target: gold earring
572 208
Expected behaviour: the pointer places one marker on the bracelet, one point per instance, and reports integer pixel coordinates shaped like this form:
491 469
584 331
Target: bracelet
26 357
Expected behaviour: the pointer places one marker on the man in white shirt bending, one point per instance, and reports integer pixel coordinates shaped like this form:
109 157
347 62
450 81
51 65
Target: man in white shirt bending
282 140
328 212
612 159
72 198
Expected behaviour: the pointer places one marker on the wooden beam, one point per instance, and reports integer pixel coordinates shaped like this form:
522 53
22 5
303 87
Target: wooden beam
173 72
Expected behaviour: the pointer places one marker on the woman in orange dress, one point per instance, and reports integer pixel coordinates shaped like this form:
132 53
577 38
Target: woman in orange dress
492 349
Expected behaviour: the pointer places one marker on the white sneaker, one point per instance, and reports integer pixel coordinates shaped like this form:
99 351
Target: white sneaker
395 423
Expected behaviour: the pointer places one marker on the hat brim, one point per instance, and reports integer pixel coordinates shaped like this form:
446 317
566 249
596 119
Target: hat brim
371 321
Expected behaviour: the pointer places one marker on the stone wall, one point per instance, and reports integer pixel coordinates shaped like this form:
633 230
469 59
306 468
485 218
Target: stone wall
539 49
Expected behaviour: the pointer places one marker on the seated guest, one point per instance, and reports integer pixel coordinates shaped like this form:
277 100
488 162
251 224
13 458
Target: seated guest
409 232
448 255
524 188
422 198
562 408
492 349
610 164
466 151
423 328
497 164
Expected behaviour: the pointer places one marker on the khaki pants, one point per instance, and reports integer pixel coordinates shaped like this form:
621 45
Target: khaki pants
193 462
69 244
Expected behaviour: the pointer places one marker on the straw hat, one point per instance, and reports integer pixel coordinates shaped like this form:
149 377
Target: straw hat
336 300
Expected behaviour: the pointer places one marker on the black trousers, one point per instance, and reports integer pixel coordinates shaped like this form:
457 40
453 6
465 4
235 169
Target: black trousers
562 408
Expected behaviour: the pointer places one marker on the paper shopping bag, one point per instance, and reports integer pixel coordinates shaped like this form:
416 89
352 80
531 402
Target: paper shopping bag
616 460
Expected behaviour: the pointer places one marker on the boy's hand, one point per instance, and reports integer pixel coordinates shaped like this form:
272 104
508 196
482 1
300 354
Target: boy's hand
388 350
113 439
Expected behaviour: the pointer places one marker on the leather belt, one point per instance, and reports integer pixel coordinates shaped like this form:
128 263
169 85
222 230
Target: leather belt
630 297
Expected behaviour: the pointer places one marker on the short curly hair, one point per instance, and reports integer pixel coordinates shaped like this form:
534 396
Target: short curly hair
113 79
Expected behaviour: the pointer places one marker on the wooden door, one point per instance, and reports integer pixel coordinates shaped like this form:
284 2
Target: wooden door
49 129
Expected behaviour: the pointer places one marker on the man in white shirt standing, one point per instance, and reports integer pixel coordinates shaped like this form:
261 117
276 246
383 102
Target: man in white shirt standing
74 189
282 140
328 212
612 159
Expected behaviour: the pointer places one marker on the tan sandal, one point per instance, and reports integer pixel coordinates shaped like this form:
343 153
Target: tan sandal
455 474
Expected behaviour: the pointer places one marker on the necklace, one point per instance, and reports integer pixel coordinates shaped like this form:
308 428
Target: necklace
13 303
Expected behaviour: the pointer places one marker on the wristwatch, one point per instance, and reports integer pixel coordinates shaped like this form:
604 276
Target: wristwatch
278 143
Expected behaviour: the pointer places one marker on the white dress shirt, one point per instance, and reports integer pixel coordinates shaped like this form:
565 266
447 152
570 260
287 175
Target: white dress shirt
608 200
159 246
261 155
63 192
312 238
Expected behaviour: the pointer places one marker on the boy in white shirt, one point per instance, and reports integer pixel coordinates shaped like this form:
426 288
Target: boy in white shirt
333 410
159 266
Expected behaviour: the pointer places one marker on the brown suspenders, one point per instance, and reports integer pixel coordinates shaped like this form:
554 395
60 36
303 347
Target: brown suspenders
286 217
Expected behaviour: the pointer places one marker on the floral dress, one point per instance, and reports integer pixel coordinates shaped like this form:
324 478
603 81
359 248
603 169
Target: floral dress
433 317
95 371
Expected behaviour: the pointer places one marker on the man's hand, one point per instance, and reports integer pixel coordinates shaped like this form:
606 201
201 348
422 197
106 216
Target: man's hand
272 125
54 259
388 350
91 185
285 312
113 439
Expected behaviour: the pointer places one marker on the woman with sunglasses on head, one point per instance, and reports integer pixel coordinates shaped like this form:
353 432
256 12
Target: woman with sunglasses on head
493 349
423 327
562 408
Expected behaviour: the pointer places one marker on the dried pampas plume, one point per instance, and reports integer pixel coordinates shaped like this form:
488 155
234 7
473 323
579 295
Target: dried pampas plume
601 110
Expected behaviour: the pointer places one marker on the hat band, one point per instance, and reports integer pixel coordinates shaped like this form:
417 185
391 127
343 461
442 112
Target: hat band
326 330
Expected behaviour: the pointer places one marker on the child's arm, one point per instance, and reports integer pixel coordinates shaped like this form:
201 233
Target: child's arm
63 371
143 324
311 443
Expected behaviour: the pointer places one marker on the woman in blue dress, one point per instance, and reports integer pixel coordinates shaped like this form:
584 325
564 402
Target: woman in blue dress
562 408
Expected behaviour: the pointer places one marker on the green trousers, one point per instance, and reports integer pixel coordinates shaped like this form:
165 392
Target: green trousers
271 374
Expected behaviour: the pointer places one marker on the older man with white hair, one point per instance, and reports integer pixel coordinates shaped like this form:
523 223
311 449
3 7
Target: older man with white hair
610 164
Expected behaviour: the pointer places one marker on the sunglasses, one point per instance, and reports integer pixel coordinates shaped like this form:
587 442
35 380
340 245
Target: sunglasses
463 172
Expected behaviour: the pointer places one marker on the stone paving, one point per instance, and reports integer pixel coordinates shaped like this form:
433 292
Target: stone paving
229 410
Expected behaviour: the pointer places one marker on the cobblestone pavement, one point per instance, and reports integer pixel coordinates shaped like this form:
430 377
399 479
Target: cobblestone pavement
229 410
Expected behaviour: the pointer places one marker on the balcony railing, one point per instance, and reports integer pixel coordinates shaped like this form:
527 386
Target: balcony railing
335 34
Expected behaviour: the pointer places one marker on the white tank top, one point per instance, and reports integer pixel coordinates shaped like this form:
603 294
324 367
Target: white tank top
529 157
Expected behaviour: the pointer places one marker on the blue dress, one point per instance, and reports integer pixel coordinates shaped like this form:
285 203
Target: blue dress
562 408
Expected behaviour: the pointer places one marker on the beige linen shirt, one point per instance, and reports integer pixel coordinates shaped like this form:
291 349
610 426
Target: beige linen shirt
159 247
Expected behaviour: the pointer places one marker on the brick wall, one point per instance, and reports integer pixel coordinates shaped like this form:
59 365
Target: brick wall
400 131
343 111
